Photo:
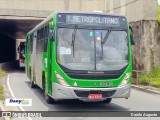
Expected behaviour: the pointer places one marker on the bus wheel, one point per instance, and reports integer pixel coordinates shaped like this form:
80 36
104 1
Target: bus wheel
108 100
32 84
49 99
29 72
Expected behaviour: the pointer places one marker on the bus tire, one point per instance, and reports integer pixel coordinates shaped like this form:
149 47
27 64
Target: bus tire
49 99
43 82
108 100
32 84
29 72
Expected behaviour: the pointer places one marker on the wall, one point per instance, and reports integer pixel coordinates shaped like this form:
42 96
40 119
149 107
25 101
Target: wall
50 5
142 14
146 52
135 10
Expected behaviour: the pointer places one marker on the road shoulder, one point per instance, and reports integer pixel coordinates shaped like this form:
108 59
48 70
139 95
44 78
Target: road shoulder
7 94
146 88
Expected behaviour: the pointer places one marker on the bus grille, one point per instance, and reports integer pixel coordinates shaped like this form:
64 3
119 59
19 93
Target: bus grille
93 76
86 93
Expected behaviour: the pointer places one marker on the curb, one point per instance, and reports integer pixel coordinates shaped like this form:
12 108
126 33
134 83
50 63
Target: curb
146 89
10 95
3 109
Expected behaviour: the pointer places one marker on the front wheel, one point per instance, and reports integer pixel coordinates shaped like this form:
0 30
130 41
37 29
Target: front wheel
49 99
108 100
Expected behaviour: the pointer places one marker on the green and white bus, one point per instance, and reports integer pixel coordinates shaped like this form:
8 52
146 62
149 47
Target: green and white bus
81 55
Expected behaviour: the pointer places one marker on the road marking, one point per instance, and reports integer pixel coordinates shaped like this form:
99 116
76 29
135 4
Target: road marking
21 108
17 74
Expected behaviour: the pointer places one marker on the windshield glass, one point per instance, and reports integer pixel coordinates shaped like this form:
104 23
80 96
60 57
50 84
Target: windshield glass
21 49
88 52
113 53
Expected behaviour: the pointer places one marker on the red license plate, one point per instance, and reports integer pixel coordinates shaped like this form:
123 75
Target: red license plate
95 96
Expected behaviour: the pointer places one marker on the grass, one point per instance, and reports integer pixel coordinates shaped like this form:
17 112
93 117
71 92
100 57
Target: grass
159 14
2 74
151 78
1 93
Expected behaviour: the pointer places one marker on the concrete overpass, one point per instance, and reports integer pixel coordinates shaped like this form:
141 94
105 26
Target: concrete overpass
17 17
22 15
13 29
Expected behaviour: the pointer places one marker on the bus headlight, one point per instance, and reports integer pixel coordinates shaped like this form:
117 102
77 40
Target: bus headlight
125 80
61 80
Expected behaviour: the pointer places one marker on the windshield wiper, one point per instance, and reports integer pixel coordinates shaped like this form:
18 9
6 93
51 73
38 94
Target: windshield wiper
104 39
74 37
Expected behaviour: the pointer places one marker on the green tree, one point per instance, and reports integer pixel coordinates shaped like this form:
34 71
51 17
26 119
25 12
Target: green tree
159 14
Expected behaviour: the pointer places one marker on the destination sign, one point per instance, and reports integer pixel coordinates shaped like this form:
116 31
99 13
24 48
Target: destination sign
92 19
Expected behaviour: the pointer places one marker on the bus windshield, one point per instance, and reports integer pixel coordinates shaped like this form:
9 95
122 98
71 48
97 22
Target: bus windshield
21 50
93 50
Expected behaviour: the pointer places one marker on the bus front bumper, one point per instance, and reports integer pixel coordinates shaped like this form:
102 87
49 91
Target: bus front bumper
60 92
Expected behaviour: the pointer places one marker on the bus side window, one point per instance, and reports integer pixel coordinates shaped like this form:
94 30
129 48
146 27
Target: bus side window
43 39
46 38
26 46
40 44
37 41
31 43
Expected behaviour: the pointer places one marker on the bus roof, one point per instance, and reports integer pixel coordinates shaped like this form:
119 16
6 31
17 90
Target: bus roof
41 23
51 16
89 12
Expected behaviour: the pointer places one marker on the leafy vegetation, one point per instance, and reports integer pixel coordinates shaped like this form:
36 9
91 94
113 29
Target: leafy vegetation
159 14
151 78
1 93
2 73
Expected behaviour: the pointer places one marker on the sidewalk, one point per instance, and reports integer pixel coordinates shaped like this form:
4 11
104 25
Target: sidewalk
148 89
3 82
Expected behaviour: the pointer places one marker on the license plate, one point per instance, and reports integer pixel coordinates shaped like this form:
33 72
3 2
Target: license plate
95 96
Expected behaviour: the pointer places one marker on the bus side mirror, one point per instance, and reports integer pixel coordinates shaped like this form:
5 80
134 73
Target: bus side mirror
18 50
131 36
51 35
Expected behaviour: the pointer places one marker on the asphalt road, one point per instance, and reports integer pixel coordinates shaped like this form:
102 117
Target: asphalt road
138 101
